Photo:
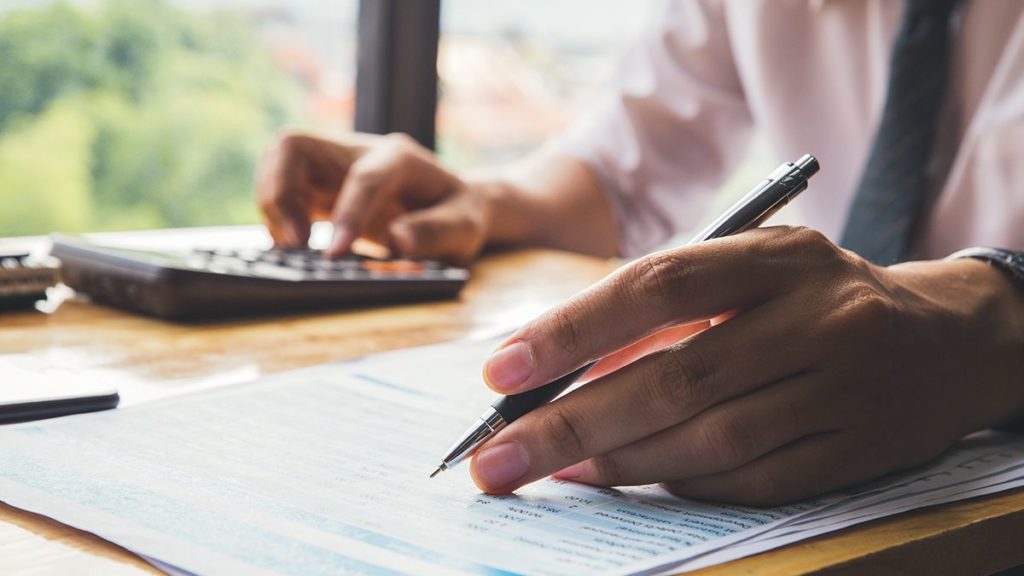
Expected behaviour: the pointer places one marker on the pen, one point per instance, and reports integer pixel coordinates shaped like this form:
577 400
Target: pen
774 192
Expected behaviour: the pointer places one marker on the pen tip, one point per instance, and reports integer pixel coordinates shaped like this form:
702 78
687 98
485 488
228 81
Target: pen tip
436 472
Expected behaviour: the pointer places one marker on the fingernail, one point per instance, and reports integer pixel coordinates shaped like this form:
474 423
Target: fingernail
570 473
509 367
500 466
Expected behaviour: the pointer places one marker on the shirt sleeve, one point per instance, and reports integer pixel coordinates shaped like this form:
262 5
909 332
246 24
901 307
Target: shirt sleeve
670 130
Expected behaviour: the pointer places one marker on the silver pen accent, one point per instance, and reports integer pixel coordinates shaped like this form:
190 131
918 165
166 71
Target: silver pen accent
490 423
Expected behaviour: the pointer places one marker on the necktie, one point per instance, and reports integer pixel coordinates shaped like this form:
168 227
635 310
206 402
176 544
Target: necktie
891 196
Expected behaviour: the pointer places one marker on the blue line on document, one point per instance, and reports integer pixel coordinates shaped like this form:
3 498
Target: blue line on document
386 384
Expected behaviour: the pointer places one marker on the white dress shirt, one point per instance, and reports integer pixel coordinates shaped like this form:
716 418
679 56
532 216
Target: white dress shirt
810 77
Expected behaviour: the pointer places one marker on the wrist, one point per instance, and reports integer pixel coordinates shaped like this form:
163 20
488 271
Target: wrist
549 201
979 313
507 211
1006 282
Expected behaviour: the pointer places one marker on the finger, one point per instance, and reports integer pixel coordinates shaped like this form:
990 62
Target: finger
395 168
280 189
722 438
672 287
370 183
652 394
657 341
446 232
809 467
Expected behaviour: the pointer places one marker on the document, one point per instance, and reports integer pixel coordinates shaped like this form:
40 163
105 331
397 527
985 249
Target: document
979 465
325 470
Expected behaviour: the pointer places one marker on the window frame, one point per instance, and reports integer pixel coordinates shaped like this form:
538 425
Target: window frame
396 69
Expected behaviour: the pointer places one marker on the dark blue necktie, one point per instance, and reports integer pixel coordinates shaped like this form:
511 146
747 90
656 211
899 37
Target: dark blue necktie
891 196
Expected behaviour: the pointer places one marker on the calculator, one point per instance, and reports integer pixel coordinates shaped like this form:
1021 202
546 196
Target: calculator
203 283
24 280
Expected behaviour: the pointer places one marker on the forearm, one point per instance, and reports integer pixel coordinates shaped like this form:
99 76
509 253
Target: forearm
550 201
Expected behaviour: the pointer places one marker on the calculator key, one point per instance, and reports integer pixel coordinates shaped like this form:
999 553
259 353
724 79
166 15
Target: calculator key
196 261
392 266
249 255
276 272
298 262
345 264
272 256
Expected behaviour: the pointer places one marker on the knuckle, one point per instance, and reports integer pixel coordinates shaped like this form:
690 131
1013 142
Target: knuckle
661 276
402 149
287 145
402 141
813 245
366 180
685 377
865 305
565 434
809 237
364 173
667 393
464 224
567 332
726 441
427 231
291 140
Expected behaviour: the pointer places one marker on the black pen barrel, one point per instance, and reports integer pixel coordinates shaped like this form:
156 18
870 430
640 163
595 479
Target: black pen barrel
513 406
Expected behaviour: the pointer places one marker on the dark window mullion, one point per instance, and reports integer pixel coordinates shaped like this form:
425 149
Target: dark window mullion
396 76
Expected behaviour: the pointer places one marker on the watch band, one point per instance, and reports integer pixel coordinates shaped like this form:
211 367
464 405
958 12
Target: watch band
1008 261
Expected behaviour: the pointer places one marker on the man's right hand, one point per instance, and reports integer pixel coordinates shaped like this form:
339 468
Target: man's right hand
387 188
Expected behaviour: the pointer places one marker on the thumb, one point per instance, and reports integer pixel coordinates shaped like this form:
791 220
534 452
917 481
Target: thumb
441 232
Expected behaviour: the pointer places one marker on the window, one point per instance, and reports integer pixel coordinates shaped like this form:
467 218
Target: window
153 113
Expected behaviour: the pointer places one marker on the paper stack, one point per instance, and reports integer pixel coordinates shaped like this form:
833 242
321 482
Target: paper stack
324 471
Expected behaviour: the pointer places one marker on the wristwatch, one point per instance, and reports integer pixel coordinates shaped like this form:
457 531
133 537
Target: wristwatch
1006 260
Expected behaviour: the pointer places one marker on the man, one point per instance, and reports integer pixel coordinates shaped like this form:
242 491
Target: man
772 365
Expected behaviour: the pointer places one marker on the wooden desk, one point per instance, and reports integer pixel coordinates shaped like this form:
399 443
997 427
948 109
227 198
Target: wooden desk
978 536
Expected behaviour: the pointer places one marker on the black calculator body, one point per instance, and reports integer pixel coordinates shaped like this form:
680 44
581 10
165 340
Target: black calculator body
202 284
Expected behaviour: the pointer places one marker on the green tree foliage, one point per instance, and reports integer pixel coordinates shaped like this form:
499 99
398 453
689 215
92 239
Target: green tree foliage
131 115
